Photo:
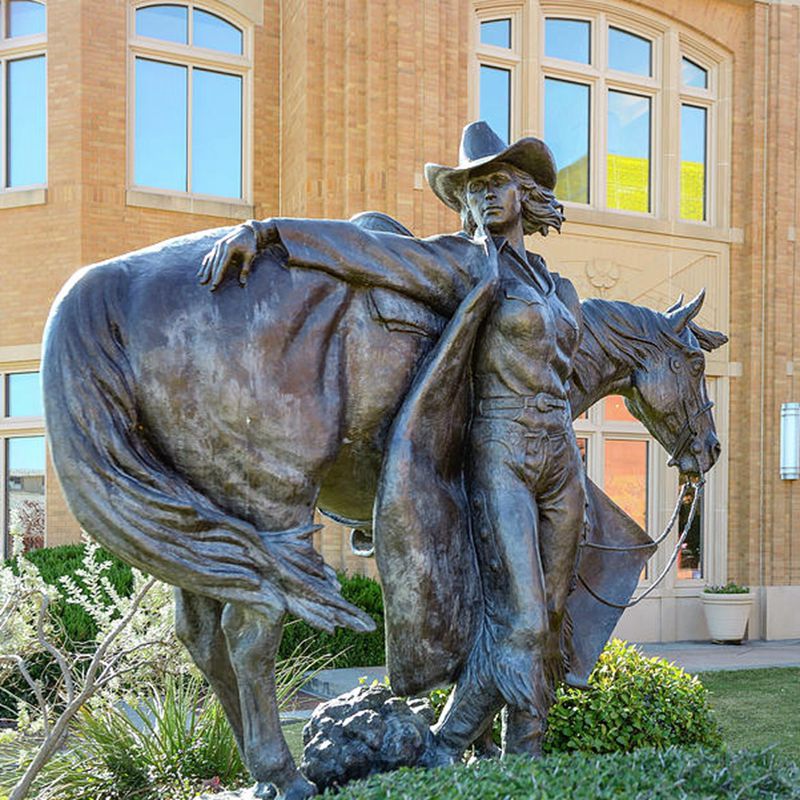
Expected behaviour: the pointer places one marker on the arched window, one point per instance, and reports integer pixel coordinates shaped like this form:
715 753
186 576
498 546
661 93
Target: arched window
628 105
190 73
23 94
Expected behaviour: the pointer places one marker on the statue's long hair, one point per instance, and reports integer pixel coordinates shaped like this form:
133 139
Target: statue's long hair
540 209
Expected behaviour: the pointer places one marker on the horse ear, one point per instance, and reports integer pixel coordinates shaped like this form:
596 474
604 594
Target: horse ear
676 305
682 316
708 340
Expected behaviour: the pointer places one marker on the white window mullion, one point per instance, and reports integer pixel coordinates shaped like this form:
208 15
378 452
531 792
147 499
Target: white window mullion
3 135
189 98
3 498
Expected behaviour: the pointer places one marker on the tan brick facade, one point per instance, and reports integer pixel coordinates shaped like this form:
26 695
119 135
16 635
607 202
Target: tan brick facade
351 97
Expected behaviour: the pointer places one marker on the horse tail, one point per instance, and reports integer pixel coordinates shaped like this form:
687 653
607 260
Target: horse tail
124 494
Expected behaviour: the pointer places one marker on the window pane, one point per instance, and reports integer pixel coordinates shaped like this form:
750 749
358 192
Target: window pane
27 121
626 476
566 130
170 23
614 409
496 99
693 163
690 557
568 39
628 152
216 134
212 31
629 53
496 32
160 130
26 18
25 489
693 75
24 395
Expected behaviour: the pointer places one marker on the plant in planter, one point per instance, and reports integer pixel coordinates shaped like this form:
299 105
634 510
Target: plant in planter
727 609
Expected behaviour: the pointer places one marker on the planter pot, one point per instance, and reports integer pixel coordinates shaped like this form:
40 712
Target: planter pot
727 615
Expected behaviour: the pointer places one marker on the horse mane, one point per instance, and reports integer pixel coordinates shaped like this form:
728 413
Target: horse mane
628 333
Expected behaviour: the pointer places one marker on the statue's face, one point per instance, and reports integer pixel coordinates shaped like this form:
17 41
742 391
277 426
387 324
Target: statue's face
495 199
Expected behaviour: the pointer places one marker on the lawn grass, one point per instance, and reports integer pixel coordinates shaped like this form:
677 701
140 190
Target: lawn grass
757 708
293 733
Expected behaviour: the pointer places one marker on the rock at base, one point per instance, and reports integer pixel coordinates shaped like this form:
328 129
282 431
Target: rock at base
364 732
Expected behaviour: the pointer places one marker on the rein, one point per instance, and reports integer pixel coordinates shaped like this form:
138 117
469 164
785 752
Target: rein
687 433
697 488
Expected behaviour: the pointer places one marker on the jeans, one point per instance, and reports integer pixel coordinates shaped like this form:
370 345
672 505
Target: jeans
527 492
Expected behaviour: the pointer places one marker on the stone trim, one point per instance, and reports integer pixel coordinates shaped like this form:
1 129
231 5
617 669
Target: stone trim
189 204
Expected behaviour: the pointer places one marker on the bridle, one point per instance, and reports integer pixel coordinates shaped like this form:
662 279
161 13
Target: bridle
687 432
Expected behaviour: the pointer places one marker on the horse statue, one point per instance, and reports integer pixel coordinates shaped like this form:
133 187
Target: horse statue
195 433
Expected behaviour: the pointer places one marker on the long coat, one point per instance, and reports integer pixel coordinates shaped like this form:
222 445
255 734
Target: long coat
422 527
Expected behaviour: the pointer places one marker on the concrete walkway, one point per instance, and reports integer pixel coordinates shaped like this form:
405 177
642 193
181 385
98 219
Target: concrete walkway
692 656
707 657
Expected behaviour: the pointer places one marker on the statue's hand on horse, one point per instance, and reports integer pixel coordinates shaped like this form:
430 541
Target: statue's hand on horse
239 248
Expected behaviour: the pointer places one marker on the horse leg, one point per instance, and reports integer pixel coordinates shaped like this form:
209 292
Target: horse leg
253 638
197 625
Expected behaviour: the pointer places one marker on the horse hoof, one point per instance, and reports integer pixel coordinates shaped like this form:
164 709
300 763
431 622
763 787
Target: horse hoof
298 789
264 791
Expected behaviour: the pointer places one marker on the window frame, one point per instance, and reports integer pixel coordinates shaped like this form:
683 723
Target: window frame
709 99
510 59
193 57
601 79
16 428
662 491
17 49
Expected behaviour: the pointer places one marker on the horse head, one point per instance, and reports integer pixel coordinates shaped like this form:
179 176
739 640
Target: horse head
668 393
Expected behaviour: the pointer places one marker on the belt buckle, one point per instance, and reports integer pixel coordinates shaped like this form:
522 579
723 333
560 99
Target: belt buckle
542 403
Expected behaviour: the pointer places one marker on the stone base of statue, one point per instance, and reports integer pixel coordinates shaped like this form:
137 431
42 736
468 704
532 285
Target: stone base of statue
364 732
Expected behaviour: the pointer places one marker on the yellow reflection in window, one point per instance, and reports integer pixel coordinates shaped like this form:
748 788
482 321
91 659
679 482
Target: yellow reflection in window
693 181
628 183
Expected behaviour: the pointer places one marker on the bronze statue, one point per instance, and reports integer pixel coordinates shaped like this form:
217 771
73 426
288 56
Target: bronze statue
419 389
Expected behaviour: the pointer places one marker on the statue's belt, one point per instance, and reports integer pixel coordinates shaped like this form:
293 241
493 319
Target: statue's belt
539 402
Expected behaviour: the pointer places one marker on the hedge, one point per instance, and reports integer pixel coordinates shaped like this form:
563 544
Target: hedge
672 774
348 648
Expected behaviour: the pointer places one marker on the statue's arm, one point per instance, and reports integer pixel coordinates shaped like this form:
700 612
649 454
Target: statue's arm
430 270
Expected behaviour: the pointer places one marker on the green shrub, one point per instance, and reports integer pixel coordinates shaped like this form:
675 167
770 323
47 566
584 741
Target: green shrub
672 774
729 588
633 701
348 648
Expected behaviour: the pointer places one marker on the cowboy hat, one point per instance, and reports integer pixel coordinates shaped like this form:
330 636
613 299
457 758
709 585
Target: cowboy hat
482 148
